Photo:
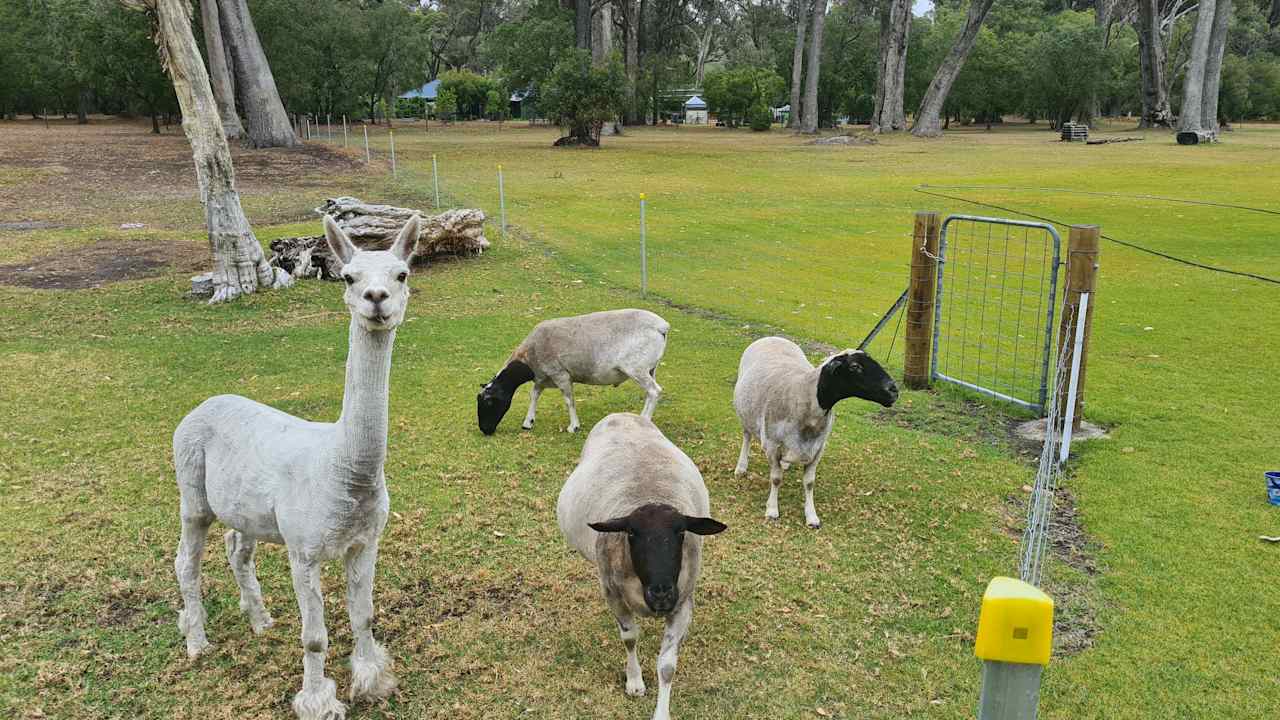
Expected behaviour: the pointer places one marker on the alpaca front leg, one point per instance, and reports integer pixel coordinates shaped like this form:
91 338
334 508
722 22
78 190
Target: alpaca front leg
318 698
240 549
677 627
186 565
371 675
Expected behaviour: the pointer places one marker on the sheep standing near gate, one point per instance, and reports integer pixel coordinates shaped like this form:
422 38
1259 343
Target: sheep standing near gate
636 508
788 405
318 488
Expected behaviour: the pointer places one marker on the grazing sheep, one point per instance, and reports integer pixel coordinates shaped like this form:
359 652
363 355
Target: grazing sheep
626 509
786 404
600 348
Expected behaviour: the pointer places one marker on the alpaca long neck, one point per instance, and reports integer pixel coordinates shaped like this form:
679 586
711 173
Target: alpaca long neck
363 423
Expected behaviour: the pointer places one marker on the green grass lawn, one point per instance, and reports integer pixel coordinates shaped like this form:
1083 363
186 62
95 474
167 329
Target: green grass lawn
486 611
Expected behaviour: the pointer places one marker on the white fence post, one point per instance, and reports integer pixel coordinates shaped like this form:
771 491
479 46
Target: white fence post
391 136
502 202
344 131
644 254
435 179
367 158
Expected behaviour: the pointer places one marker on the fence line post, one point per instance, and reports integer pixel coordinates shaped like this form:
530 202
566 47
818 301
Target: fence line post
502 202
1014 642
1082 273
435 179
920 300
344 131
367 158
391 137
644 252
328 125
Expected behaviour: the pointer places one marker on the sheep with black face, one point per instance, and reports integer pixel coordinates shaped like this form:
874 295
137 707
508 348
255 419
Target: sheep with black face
636 508
600 348
788 405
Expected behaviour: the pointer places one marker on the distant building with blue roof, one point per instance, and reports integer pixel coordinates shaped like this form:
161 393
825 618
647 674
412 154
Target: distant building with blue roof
426 92
695 111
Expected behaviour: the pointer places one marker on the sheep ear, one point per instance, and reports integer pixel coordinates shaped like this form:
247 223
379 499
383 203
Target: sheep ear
339 244
407 241
618 524
704 526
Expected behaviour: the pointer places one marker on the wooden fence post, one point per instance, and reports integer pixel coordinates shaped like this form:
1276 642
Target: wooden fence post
1082 273
920 299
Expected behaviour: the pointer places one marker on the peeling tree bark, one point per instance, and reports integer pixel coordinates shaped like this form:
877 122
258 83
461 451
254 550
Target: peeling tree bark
267 124
928 117
797 62
1151 56
224 91
582 24
240 267
891 72
1213 67
809 121
1190 120
602 48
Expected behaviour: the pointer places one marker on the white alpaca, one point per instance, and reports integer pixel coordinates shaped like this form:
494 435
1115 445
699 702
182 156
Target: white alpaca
316 487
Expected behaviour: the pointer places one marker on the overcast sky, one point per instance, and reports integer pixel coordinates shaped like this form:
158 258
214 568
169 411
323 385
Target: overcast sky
922 6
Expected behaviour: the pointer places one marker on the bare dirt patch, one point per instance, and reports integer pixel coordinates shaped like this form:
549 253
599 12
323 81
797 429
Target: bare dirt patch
117 171
102 263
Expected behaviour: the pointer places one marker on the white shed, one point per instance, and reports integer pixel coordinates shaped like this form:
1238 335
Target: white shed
695 111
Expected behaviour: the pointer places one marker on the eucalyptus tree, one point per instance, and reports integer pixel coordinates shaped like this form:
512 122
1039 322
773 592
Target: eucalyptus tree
928 121
266 123
813 61
889 114
797 61
1198 117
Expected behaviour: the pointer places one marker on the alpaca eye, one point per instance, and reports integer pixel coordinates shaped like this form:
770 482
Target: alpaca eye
346 277
402 277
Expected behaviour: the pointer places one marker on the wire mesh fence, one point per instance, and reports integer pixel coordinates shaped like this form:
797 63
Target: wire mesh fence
994 314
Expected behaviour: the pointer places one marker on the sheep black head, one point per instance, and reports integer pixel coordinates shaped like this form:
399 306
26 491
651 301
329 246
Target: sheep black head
853 373
494 399
655 538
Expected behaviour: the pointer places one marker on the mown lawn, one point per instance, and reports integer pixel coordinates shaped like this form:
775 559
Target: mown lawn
485 610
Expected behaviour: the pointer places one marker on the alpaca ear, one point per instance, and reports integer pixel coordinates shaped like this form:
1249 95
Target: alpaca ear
407 241
339 244
615 525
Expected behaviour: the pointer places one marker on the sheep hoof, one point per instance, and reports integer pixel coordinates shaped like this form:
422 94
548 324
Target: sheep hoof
526 425
815 523
635 689
771 516
572 429
739 472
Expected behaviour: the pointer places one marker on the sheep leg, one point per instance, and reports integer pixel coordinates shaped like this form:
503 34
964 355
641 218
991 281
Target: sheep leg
566 388
186 565
775 482
371 675
240 550
318 698
629 630
534 392
744 455
652 391
677 627
810 513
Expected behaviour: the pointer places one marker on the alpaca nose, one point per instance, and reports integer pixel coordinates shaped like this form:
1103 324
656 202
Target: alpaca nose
376 295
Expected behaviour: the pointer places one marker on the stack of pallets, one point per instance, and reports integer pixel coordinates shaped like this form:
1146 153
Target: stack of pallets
1075 132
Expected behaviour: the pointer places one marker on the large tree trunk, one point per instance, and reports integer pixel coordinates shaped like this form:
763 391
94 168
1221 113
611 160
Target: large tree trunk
797 62
632 21
267 123
224 90
1151 56
1191 120
602 49
240 267
895 26
83 99
928 122
1273 19
582 24
1213 67
809 121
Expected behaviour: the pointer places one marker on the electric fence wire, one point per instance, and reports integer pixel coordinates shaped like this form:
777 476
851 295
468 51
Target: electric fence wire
1035 537
1192 263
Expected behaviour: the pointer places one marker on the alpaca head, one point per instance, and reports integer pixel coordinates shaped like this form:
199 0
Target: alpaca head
377 280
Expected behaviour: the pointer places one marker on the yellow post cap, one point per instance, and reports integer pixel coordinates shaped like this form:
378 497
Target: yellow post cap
1016 623
641 196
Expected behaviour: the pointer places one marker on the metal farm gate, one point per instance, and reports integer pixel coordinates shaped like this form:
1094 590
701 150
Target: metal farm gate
994 312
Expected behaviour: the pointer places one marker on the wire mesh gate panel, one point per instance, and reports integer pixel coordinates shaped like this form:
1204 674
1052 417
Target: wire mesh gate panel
993 316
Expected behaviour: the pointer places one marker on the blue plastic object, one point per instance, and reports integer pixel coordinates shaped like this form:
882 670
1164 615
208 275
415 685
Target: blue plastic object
1273 487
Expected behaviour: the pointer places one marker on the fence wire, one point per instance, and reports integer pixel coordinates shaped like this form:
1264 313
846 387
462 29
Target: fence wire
997 283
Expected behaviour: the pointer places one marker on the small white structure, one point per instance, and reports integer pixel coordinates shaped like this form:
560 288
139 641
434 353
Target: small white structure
695 111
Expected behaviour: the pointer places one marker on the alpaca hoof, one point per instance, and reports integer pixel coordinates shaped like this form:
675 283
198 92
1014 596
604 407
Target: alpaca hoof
320 704
371 678
635 689
261 624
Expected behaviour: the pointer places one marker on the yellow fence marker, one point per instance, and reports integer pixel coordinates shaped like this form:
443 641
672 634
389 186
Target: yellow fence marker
1014 641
